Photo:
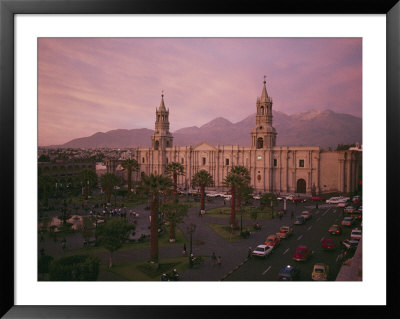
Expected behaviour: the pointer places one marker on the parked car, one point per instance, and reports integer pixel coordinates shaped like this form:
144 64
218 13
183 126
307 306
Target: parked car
299 220
272 241
284 232
320 272
357 215
306 214
302 253
262 251
333 200
350 243
327 243
316 198
288 273
256 197
350 208
356 234
348 221
335 230
299 200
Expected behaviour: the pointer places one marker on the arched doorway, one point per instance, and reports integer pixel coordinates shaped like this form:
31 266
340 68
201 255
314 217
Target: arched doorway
301 186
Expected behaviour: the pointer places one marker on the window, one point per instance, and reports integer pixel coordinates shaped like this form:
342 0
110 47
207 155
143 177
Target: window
301 163
204 160
167 160
260 142
227 161
182 161
142 159
275 162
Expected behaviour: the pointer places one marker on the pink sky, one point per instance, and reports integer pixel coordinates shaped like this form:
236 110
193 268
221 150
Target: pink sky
89 85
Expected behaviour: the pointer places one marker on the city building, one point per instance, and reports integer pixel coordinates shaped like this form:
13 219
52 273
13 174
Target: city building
273 168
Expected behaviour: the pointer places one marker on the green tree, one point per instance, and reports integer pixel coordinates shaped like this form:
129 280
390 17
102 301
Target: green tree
45 184
130 165
202 179
269 200
173 170
151 186
44 158
243 186
108 182
74 268
113 234
87 179
174 214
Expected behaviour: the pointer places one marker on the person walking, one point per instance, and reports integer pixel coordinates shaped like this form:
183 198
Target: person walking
249 253
184 249
219 260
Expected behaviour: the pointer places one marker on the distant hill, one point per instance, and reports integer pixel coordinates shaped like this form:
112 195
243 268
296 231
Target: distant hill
321 128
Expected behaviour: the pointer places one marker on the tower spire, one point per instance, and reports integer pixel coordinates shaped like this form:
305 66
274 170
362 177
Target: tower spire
264 94
162 105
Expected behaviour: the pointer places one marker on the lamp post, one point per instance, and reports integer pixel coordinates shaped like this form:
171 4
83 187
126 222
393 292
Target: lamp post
191 229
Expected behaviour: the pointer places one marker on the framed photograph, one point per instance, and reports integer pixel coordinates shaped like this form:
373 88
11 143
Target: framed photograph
39 39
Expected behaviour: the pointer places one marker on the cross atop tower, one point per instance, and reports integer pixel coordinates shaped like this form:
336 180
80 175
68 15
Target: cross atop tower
265 78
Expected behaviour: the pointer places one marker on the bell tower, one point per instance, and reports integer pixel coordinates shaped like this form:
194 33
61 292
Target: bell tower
161 138
264 134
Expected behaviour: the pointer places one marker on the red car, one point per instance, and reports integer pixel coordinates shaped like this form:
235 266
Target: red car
302 253
327 244
316 198
299 200
335 230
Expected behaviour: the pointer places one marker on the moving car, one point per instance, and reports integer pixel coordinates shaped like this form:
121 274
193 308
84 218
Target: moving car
350 208
348 221
272 241
299 220
356 234
328 243
284 232
320 272
335 230
357 215
302 253
288 273
306 214
350 243
262 251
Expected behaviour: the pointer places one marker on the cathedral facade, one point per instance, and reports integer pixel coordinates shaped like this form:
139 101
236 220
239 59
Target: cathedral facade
278 169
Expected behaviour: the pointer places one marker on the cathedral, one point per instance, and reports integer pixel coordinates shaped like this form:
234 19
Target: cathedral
277 169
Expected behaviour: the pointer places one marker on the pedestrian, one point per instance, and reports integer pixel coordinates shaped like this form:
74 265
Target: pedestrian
224 202
219 260
184 249
291 215
213 258
249 253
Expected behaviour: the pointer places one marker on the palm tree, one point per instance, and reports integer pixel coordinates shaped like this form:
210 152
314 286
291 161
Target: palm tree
174 169
108 182
174 213
131 165
244 174
87 178
151 186
238 177
202 179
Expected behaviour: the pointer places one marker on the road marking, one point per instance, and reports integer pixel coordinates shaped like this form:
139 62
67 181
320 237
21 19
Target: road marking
300 237
285 251
266 270
309 227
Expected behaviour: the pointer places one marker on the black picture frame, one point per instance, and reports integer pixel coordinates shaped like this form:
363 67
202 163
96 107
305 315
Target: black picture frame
8 10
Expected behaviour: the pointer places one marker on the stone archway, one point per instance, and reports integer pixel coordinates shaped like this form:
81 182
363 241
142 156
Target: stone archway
260 143
301 186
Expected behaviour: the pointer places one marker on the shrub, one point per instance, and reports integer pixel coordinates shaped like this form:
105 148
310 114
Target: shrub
74 268
44 263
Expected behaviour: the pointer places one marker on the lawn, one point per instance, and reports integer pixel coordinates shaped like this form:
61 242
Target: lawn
248 212
225 232
144 271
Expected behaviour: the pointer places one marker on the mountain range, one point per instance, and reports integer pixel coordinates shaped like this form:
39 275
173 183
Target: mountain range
312 128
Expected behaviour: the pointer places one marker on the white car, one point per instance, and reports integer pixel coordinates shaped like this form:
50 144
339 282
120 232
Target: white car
262 251
256 196
356 234
333 200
